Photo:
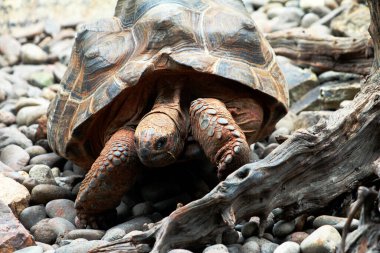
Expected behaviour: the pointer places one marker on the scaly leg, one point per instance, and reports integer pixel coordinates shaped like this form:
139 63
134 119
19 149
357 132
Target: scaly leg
110 176
222 140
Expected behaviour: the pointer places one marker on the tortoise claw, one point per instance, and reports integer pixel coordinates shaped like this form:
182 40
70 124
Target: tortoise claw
96 221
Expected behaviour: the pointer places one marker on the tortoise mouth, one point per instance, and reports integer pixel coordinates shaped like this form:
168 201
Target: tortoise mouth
158 142
154 158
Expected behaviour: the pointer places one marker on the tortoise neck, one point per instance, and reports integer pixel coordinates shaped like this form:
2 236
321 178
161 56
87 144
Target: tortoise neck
169 92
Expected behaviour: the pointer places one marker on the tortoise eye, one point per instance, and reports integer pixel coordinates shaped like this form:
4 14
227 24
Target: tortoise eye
161 142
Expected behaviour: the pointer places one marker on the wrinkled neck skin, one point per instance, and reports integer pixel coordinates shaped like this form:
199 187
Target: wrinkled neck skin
160 135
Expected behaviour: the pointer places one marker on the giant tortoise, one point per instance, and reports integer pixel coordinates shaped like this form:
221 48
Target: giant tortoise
141 85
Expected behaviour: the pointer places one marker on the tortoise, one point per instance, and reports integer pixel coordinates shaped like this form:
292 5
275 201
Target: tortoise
142 86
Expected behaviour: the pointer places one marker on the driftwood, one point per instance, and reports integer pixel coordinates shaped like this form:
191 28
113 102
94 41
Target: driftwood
366 237
304 174
307 48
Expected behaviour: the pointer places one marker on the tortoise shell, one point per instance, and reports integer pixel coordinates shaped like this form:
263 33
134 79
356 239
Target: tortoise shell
112 59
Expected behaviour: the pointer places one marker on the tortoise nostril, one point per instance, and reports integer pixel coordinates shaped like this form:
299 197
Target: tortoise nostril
144 153
161 143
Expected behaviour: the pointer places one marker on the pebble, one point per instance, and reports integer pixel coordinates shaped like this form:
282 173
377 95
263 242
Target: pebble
11 135
31 215
269 247
259 241
13 235
45 247
56 172
30 114
49 159
216 248
250 228
47 230
15 175
288 247
68 182
325 239
297 237
88 234
48 93
332 96
63 208
41 79
29 131
43 232
336 222
29 102
80 247
42 174
300 81
8 118
14 194
283 228
180 251
337 76
31 249
59 70
43 193
268 149
321 11
320 29
234 248
250 247
285 18
33 54
10 49
15 157
309 19
307 4
230 236
278 134
142 209
52 27
3 96
310 118
119 231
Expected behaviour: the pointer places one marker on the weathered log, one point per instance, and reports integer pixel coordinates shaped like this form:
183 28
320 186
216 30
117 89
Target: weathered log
366 237
324 52
304 174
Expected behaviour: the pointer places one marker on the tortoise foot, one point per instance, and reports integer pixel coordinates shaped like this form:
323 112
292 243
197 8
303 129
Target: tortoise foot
95 221
109 178
222 140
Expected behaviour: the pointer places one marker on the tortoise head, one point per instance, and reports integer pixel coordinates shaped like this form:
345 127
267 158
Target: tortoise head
158 139
160 135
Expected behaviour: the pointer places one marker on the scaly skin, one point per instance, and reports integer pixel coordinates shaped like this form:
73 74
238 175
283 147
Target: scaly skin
110 176
159 140
161 134
222 140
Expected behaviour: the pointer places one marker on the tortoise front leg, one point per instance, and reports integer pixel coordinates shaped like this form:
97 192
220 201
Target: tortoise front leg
222 140
110 176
